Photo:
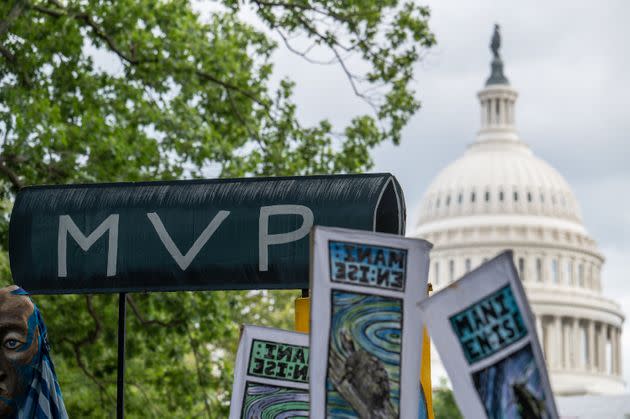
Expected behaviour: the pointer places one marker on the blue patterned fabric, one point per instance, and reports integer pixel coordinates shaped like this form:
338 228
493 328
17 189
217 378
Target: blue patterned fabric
43 398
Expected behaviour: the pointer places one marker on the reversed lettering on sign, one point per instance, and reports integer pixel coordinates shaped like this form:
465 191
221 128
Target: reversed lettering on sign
368 265
278 361
489 325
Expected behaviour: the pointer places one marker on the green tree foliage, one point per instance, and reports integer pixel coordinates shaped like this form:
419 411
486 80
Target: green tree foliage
444 405
142 89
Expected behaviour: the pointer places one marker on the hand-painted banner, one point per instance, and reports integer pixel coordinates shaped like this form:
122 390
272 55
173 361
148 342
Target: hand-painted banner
366 328
188 235
270 375
485 332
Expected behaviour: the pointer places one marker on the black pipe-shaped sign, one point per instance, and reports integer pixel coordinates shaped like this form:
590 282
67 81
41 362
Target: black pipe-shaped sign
220 234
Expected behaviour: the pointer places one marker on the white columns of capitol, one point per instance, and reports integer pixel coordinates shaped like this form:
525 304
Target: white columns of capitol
566 344
616 358
620 360
602 348
610 362
497 107
508 112
597 354
619 347
613 350
591 346
539 331
614 343
557 347
572 344
577 344
617 351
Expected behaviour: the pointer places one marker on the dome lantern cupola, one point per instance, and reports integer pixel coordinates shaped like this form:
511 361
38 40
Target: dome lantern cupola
497 101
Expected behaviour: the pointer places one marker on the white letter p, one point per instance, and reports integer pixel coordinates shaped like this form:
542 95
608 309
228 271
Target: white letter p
265 239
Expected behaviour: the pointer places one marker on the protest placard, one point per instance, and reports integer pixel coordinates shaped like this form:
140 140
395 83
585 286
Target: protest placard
270 374
366 329
484 331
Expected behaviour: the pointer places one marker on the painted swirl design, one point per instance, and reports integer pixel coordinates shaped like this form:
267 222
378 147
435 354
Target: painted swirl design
375 324
271 402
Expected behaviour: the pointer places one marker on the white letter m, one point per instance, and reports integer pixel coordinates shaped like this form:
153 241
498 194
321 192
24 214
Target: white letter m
66 225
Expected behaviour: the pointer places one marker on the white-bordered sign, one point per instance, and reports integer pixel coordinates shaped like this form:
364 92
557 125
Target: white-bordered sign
270 374
366 330
485 332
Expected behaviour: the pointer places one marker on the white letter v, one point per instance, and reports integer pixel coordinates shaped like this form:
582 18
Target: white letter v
184 260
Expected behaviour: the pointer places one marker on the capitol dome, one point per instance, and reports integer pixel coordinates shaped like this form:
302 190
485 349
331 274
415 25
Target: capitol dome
499 195
500 178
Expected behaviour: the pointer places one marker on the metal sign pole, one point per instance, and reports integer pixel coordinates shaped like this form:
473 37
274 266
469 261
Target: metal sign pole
122 331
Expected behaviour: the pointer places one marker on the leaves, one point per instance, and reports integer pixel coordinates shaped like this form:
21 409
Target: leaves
94 91
444 405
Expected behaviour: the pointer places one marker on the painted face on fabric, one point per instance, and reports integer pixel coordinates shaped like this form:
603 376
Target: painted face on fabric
19 337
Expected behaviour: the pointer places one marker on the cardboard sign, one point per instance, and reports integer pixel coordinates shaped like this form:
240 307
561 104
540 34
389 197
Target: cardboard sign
216 234
485 332
366 329
270 374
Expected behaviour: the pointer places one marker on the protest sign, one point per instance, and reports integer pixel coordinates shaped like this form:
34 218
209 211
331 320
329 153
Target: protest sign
270 374
366 329
485 333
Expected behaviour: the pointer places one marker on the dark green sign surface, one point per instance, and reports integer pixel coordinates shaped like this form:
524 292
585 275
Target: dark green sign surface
188 235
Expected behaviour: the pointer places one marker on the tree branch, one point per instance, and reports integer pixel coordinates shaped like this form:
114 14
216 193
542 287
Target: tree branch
145 322
14 13
351 79
313 31
98 323
48 11
5 24
12 60
302 7
251 133
226 85
88 21
131 59
333 44
10 174
303 54
150 403
193 345
77 356
91 338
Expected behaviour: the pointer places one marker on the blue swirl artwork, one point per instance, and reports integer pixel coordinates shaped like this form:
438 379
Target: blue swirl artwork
512 388
273 402
364 355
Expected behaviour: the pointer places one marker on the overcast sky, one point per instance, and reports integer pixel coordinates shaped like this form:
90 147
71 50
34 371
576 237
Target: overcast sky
570 62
